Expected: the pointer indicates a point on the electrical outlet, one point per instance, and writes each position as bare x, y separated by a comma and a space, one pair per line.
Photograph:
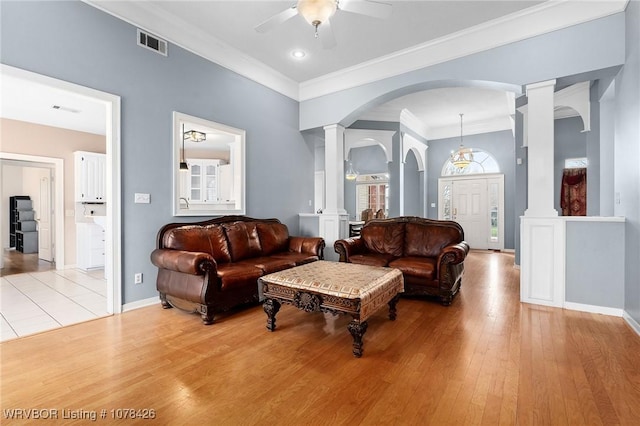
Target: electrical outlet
137, 278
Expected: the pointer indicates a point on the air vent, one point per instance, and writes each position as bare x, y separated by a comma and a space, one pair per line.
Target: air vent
152, 42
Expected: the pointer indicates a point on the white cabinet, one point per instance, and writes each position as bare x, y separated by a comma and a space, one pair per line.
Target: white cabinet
202, 183
90, 246
90, 177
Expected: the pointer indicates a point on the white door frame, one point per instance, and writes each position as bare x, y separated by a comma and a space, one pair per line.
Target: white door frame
490, 178
58, 202
112, 136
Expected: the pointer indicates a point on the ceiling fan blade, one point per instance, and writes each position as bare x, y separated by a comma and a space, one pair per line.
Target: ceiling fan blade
277, 19
366, 7
325, 33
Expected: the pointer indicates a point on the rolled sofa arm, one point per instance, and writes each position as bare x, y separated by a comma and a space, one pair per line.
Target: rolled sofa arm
189, 262
311, 245
450, 266
454, 254
348, 247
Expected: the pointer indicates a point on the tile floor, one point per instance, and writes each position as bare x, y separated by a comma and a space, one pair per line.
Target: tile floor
39, 301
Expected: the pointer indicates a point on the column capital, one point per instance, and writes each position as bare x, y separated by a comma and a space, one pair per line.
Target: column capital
540, 85
333, 126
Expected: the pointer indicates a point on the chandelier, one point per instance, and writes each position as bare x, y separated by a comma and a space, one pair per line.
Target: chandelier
463, 156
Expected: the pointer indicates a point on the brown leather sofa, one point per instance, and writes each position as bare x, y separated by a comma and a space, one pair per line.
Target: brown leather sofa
430, 253
212, 266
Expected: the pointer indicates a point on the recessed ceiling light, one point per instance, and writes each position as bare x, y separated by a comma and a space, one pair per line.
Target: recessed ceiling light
298, 54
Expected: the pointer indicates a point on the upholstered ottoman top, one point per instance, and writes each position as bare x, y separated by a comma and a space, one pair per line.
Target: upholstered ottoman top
374, 286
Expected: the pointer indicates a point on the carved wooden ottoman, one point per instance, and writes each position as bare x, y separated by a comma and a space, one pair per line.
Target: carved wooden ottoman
337, 288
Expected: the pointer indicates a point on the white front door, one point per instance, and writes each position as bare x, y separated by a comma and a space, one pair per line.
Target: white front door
45, 251
477, 204
470, 210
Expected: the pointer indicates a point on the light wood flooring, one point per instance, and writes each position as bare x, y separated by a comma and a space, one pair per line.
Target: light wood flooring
486, 359
16, 262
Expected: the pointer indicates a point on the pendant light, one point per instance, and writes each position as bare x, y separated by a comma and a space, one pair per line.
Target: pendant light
183, 164
463, 156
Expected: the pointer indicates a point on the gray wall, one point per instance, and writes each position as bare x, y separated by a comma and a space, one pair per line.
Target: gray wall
413, 197
75, 42
627, 158
499, 144
595, 263
569, 142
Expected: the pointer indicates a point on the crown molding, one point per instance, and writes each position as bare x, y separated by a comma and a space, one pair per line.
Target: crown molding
413, 123
496, 124
544, 18
178, 32
534, 21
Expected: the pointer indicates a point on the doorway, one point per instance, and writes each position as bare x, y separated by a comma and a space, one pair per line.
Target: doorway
477, 204
111, 104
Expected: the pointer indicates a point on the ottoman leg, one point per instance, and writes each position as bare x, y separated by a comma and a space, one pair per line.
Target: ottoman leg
392, 307
271, 307
357, 330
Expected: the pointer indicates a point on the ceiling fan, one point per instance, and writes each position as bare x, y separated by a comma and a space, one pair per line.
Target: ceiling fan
318, 13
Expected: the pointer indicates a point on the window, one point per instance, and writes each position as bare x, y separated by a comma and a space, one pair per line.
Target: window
575, 163
483, 162
372, 193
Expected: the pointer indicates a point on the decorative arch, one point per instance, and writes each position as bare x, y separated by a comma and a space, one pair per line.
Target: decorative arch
419, 149
320, 112
359, 138
483, 163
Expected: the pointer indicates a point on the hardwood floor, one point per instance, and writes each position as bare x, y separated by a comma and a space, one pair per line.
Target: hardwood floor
18, 263
486, 359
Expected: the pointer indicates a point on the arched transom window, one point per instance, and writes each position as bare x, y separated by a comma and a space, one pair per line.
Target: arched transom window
483, 162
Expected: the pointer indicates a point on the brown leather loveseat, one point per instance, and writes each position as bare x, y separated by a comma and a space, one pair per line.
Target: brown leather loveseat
212, 266
430, 253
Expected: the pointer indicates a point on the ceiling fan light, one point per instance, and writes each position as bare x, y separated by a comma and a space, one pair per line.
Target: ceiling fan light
315, 12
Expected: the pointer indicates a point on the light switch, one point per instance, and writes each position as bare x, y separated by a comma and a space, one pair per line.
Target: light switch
142, 198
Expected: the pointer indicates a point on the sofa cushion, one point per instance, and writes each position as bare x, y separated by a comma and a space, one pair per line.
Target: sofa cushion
371, 259
384, 238
274, 237
232, 276
207, 239
422, 267
428, 240
243, 240
269, 264
297, 258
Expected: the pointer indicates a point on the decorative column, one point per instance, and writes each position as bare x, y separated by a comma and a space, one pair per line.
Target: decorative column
334, 168
540, 152
334, 220
542, 278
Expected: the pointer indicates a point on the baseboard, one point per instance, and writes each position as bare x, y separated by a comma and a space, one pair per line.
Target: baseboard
632, 323
604, 310
140, 304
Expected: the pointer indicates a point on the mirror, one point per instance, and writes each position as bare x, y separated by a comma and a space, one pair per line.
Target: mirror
208, 167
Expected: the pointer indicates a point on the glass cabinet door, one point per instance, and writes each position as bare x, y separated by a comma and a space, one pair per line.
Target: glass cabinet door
196, 181
211, 179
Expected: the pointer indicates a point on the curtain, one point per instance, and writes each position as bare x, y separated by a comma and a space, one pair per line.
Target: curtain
573, 195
